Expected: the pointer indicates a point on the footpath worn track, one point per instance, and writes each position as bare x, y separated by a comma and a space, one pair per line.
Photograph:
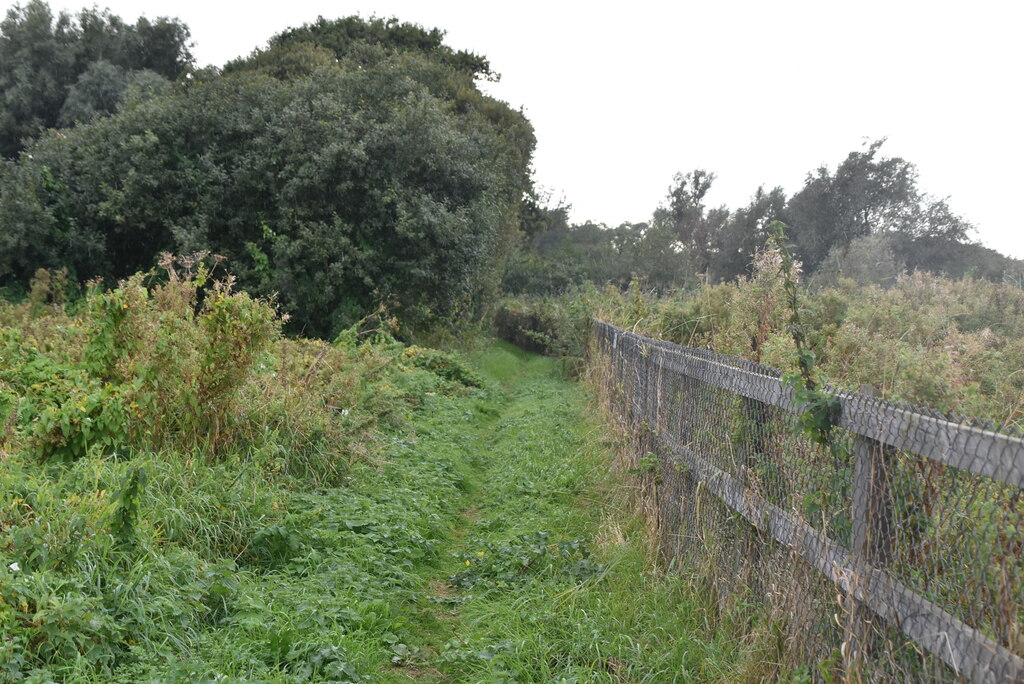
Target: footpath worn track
490, 539
542, 574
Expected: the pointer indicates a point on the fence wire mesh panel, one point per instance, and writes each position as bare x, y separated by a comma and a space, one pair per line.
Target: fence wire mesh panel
891, 553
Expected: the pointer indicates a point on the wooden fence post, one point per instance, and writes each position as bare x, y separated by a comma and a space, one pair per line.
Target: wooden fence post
871, 540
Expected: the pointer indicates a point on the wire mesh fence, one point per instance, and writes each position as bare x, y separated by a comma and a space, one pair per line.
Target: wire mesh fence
894, 553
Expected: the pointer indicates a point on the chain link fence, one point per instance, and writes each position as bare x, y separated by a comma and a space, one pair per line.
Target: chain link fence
893, 554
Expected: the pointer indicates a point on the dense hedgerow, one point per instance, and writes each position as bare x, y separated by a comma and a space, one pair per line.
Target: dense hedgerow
156, 440
953, 345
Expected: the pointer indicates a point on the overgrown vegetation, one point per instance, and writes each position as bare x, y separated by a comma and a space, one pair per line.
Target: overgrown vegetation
892, 293
188, 494
354, 511
906, 513
818, 409
167, 456
953, 345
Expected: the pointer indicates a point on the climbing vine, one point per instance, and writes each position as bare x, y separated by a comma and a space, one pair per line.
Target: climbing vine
818, 410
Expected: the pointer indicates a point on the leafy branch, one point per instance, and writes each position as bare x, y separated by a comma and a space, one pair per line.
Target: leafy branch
819, 410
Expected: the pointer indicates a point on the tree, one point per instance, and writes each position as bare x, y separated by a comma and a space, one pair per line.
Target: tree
868, 193
746, 230
695, 227
98, 91
868, 260
874, 195
336, 188
45, 59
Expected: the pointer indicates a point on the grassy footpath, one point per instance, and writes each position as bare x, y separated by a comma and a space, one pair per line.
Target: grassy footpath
489, 544
544, 577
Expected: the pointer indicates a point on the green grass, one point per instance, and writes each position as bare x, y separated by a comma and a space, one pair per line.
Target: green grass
549, 576
488, 540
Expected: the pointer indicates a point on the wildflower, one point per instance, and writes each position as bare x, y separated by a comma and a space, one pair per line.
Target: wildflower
469, 562
14, 567
480, 553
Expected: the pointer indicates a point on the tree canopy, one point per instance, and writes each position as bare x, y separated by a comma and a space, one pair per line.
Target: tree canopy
348, 36
62, 69
336, 183
353, 161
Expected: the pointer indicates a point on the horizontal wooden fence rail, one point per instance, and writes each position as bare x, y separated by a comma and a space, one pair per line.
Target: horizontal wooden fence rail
674, 393
984, 452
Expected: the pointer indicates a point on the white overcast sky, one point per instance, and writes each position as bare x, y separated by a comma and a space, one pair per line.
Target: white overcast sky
623, 95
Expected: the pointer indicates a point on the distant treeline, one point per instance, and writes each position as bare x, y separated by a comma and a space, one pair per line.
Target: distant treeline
350, 162
867, 221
